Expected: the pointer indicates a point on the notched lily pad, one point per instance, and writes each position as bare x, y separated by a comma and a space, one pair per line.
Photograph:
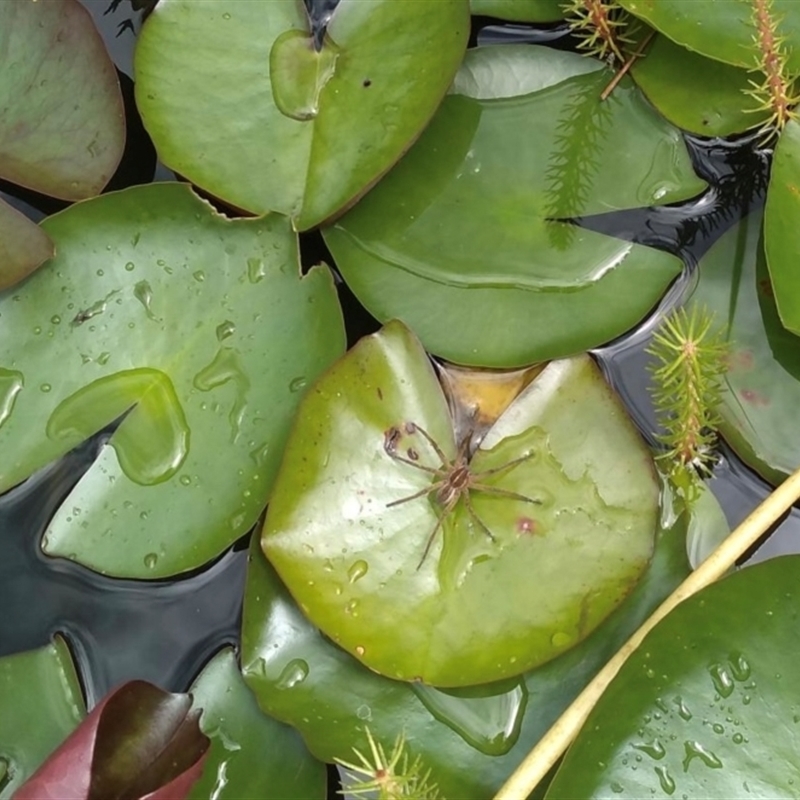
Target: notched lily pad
244, 101
366, 526
199, 334
463, 239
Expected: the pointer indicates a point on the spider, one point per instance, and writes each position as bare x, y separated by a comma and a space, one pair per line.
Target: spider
453, 479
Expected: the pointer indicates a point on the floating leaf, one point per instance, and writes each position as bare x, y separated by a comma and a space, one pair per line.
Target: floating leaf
252, 756
762, 391
23, 246
238, 99
780, 226
459, 240
569, 499
40, 705
139, 742
707, 705
301, 677
200, 332
519, 10
717, 105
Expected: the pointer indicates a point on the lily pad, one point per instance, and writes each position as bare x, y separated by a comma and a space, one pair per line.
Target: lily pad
780, 226
200, 332
555, 566
721, 29
40, 705
762, 386
714, 106
302, 678
252, 756
49, 51
461, 238
707, 706
238, 99
519, 10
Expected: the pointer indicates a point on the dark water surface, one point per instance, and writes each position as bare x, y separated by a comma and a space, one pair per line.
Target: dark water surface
165, 631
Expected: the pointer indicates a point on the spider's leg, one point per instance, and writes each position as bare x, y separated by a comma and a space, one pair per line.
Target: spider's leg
434, 487
402, 460
504, 467
435, 530
412, 427
481, 487
474, 514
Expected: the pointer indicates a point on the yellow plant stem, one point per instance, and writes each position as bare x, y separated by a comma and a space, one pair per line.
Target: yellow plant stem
553, 744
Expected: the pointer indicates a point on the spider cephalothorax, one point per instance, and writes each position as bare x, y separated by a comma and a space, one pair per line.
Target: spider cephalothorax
453, 479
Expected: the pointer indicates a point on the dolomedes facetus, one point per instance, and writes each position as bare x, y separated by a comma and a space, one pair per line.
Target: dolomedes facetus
452, 479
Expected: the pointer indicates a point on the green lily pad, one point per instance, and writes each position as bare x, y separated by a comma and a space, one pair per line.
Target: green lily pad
49, 51
252, 756
762, 391
555, 566
721, 29
302, 678
40, 705
714, 106
780, 226
198, 330
707, 706
460, 238
239, 101
519, 10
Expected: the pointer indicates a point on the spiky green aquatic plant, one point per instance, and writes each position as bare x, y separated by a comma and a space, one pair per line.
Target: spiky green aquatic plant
393, 778
690, 363
603, 27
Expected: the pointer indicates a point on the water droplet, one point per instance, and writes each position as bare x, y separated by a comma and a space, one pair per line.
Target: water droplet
37, 330
722, 680
226, 15
653, 749
297, 384
225, 330
294, 673
695, 750
143, 292
11, 383
45, 387
55, 319
351, 607
683, 711
717, 728
226, 367
740, 667
130, 266
150, 560
617, 788
100, 273
359, 650
665, 779
102, 359
560, 639
256, 270
737, 738
185, 480
357, 571
364, 712
259, 454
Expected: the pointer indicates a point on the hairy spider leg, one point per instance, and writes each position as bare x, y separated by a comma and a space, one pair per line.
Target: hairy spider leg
480, 487
474, 514
439, 521
434, 487
412, 427
504, 467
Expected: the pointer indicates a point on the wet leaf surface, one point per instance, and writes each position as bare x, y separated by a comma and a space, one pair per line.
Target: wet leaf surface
238, 99
707, 706
461, 241
200, 332
252, 756
556, 538
40, 705
23, 246
519, 10
301, 677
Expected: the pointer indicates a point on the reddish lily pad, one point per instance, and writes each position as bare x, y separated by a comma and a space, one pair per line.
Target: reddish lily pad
238, 99
556, 565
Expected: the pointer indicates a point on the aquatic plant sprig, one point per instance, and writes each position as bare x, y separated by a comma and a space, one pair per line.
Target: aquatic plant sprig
776, 93
603, 27
691, 360
393, 778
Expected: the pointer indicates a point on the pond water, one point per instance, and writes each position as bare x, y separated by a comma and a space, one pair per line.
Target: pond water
165, 631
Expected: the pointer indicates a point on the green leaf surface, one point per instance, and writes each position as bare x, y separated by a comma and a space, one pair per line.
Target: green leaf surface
196, 328
62, 127
252, 756
40, 705
457, 240
762, 392
721, 29
553, 568
301, 677
23, 246
708, 704
714, 106
780, 226
519, 10
238, 100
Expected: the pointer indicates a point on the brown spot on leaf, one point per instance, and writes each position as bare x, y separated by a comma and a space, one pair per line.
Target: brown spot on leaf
754, 398
526, 525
